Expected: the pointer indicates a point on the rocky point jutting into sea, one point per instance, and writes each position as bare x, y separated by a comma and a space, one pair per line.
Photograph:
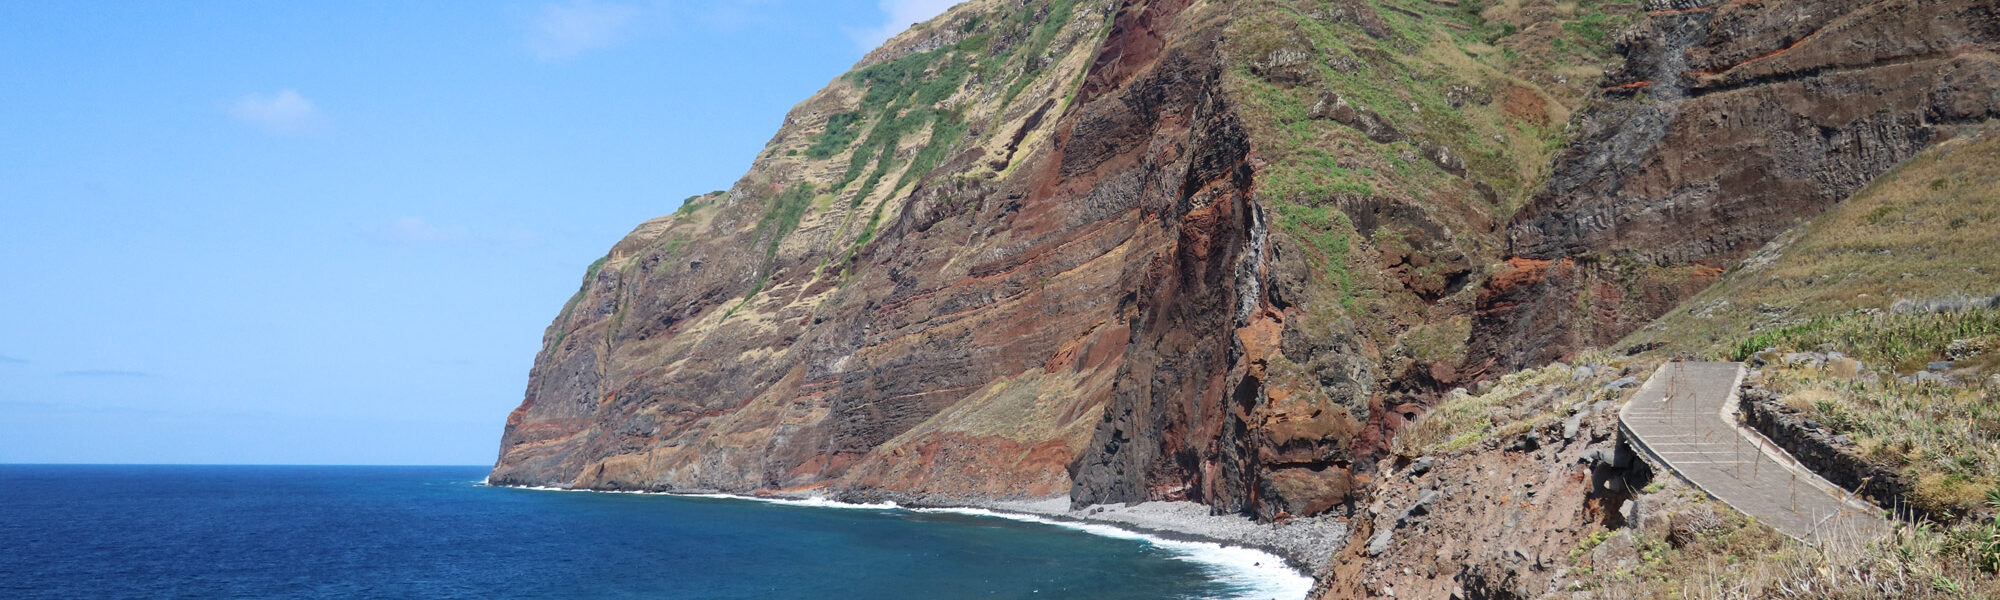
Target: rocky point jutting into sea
1225, 253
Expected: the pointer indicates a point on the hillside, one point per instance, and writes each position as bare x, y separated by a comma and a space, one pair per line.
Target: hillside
1728, 123
1243, 254
1023, 249
1527, 496
1923, 233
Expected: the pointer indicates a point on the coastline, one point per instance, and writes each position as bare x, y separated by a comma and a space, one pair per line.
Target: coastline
1303, 544
1261, 552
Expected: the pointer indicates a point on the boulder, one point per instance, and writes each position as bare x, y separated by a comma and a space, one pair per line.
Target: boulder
1805, 360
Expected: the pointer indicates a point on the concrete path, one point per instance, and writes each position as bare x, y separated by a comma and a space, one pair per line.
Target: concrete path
1685, 417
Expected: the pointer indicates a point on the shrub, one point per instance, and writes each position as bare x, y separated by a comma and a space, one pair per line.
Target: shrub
841, 131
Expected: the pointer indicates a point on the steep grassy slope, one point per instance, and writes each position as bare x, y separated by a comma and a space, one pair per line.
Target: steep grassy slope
1383, 154
684, 360
1929, 230
1394, 137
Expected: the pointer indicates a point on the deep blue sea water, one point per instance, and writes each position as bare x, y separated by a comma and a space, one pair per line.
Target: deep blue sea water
434, 532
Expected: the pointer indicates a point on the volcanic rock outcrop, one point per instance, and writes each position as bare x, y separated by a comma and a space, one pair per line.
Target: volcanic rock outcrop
1076, 232
1029, 249
1729, 122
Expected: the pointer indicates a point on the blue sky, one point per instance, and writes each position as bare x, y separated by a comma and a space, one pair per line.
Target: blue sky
333, 232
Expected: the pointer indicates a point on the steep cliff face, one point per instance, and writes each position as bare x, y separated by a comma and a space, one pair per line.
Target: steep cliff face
903, 293
1729, 122
1130, 250
957, 331
1278, 349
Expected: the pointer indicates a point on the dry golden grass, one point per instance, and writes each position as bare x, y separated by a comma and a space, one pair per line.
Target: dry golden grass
1946, 440
1514, 405
1744, 559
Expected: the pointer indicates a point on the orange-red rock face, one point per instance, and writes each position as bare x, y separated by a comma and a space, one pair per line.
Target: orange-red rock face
1097, 317
970, 350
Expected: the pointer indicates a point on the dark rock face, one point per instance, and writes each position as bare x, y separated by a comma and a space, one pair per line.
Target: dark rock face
1191, 416
1728, 123
1156, 428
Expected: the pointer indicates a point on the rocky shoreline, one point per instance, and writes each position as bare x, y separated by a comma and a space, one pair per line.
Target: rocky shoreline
1304, 544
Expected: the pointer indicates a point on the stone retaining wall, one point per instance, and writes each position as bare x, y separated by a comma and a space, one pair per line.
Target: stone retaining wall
1832, 456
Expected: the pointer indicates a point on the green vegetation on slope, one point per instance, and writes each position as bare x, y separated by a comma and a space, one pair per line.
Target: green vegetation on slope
841, 131
779, 220
1407, 110
1057, 14
783, 216
697, 202
1328, 232
1904, 342
902, 97
910, 114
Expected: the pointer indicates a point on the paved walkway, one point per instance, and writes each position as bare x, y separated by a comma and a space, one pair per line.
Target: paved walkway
1685, 417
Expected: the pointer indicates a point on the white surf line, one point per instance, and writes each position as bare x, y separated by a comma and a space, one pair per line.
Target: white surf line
1256, 574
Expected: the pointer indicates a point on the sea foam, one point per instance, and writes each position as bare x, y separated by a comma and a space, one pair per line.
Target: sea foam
1253, 574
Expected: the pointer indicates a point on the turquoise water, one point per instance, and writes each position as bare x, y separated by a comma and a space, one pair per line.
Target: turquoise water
434, 532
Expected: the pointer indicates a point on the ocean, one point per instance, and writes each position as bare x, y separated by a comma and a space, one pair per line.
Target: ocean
214, 532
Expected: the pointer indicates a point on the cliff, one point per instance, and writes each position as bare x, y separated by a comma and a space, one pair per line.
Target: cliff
1116, 250
1214, 251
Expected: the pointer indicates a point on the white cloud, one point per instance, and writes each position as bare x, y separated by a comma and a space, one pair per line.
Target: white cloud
284, 113
561, 31
899, 15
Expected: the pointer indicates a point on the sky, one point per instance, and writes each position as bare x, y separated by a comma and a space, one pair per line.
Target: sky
334, 232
